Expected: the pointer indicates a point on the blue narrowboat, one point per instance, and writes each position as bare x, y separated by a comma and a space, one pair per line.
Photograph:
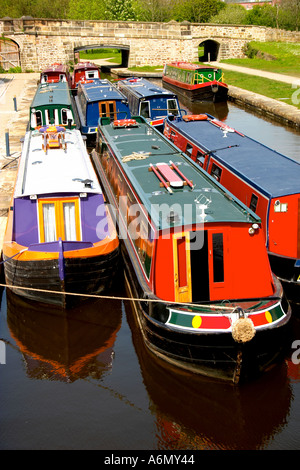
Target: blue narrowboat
53, 104
99, 98
150, 101
264, 180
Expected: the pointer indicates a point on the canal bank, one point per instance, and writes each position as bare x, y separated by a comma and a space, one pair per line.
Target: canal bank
16, 94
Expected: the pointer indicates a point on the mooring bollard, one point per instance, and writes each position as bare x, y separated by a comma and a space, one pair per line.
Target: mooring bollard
7, 142
15, 103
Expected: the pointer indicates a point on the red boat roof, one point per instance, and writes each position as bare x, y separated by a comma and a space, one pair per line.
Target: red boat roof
85, 66
189, 66
56, 67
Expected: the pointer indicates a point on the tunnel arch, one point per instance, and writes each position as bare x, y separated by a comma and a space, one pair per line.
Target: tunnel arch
210, 50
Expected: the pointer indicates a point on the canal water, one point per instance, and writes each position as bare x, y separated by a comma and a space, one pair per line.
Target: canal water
86, 381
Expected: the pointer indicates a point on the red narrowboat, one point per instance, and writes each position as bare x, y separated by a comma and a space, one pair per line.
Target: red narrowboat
55, 73
195, 260
266, 181
83, 72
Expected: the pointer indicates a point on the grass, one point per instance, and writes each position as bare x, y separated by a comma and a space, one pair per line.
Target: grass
270, 88
286, 58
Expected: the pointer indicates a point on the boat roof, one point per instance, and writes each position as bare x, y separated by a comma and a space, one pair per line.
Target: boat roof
143, 88
101, 89
269, 171
85, 66
137, 148
57, 170
190, 66
52, 93
62, 68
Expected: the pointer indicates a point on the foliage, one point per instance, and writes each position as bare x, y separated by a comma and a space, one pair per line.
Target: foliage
197, 11
120, 10
231, 14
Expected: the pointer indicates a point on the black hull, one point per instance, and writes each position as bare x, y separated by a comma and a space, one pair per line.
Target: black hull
288, 273
214, 355
201, 94
85, 276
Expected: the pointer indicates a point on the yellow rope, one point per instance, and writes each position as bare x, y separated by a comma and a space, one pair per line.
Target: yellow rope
219, 307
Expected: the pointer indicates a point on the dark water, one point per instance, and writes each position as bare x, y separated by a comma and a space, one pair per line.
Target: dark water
85, 381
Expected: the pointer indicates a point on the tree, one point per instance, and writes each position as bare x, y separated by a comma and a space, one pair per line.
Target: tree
197, 11
120, 10
231, 14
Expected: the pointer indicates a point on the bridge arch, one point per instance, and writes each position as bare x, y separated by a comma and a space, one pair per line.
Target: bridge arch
125, 50
211, 49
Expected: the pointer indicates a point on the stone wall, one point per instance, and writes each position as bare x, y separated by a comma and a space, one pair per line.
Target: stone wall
43, 41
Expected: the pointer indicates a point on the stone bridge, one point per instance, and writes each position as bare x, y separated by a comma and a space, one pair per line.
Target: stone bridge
39, 42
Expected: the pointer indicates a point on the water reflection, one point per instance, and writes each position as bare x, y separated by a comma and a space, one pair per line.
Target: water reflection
64, 347
193, 412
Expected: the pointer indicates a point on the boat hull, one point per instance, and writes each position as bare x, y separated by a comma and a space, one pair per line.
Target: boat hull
40, 280
207, 92
215, 355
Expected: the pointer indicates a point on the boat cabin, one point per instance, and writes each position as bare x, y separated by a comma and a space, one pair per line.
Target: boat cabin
84, 71
55, 73
149, 100
266, 181
52, 105
196, 81
99, 98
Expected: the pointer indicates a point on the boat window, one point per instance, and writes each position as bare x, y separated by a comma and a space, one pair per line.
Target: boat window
218, 261
49, 222
65, 116
145, 109
172, 107
48, 117
189, 149
200, 158
216, 172
37, 119
62, 77
59, 218
253, 202
142, 236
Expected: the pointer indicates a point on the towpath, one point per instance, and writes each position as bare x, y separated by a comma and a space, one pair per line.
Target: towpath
16, 94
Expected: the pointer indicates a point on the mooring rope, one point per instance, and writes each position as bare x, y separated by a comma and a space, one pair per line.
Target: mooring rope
112, 297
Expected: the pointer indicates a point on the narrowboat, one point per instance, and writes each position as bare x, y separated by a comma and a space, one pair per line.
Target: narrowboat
196, 81
195, 258
52, 105
60, 238
99, 98
149, 100
84, 71
55, 73
264, 180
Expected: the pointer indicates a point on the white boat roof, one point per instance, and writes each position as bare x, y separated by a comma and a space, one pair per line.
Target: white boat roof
57, 170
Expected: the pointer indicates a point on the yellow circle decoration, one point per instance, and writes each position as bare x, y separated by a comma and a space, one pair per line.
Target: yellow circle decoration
268, 317
196, 322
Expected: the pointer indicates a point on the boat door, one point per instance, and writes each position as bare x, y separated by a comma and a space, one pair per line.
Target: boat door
182, 267
107, 109
217, 287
